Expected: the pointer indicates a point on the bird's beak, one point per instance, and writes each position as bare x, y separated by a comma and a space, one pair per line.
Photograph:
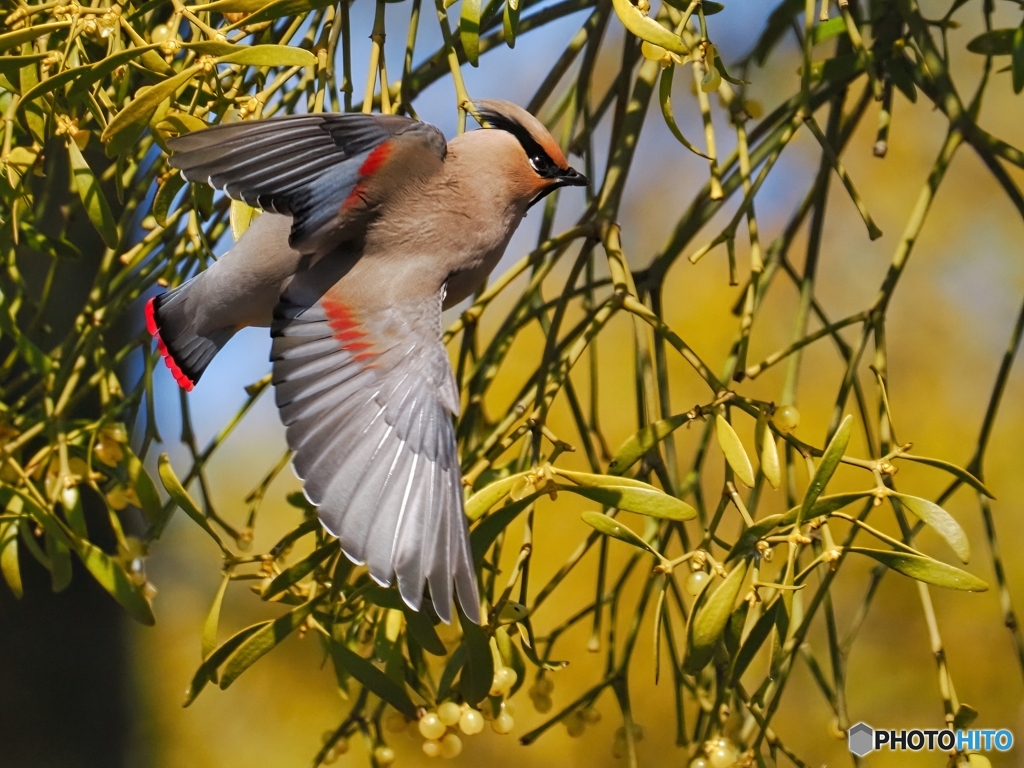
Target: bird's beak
570, 177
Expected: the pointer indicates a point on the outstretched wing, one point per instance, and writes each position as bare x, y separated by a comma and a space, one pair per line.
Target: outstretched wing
315, 167
368, 398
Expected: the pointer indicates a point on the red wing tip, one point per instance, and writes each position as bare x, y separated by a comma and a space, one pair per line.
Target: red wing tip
179, 376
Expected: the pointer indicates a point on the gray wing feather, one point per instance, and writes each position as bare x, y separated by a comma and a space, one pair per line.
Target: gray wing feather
367, 399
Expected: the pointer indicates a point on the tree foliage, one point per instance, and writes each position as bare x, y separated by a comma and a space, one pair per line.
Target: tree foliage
90, 94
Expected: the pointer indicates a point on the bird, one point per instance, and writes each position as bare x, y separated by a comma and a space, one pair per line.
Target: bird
371, 225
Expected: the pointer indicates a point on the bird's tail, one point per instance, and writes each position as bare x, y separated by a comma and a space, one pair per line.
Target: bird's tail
170, 317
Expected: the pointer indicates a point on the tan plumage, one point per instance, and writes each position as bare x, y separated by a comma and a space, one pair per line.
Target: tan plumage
372, 225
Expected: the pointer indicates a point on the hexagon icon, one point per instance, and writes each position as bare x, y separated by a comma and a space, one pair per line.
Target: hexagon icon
862, 739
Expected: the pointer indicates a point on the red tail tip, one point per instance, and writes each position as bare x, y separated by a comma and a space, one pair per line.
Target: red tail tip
179, 376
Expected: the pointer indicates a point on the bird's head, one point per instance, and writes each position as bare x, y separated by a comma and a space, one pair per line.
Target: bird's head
524, 151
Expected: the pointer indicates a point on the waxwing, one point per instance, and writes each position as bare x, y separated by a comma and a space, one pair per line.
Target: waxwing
372, 225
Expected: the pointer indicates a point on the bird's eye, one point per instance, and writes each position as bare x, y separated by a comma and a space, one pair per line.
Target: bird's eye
540, 164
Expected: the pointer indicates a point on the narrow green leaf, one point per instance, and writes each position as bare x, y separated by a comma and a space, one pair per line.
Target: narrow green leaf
9, 556
10, 66
644, 441
768, 452
144, 487
826, 467
478, 673
422, 629
270, 56
279, 8
373, 679
483, 535
293, 575
590, 479
181, 497
128, 124
734, 629
265, 639
996, 42
11, 39
209, 639
659, 614
469, 31
86, 76
50, 84
734, 452
112, 577
953, 469
164, 197
230, 6
720, 66
823, 506
643, 501
706, 627
901, 73
940, 520
610, 527
758, 634
481, 501
510, 21
92, 197
207, 671
1018, 59
826, 30
925, 569
451, 669
60, 558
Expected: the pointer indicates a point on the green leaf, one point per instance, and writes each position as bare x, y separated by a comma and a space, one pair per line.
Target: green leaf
209, 639
960, 474
422, 629
1018, 59
643, 501
451, 669
757, 637
996, 42
10, 66
900, 71
826, 30
826, 467
483, 535
613, 481
293, 575
646, 28
469, 30
9, 556
768, 452
925, 569
644, 441
112, 577
373, 679
92, 197
720, 66
734, 452
50, 84
510, 21
128, 124
478, 673
265, 639
59, 552
164, 197
734, 629
611, 527
98, 71
706, 627
230, 6
270, 56
181, 497
207, 671
823, 506
939, 519
11, 39
144, 487
481, 501
279, 8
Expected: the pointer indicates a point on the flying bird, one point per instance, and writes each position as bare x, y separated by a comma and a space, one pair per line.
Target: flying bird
372, 225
